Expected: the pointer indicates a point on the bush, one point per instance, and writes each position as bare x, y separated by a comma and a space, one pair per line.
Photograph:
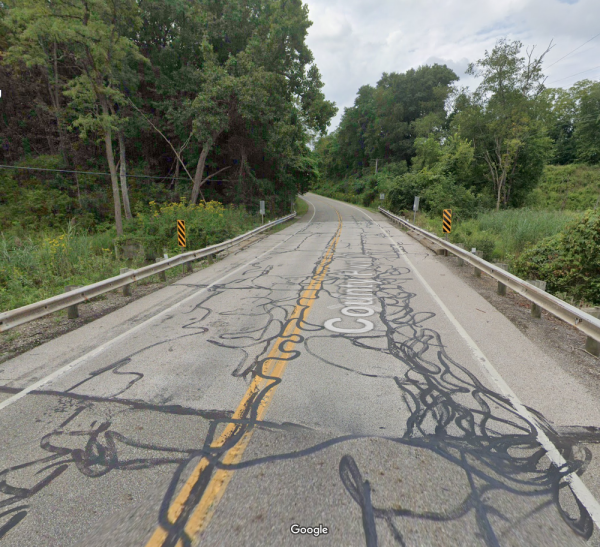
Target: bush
569, 261
205, 224
34, 268
573, 187
31, 270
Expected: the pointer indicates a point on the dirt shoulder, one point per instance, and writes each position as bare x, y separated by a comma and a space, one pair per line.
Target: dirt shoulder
563, 342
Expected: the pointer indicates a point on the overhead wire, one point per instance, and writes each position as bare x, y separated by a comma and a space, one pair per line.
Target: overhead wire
576, 74
93, 173
573, 51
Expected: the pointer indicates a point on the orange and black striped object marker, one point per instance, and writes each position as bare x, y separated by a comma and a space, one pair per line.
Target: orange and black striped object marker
447, 222
181, 233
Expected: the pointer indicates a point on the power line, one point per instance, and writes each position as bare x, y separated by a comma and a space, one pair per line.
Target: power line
87, 172
574, 50
577, 74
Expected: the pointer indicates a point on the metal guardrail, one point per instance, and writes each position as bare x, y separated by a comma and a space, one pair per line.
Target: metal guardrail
583, 321
18, 316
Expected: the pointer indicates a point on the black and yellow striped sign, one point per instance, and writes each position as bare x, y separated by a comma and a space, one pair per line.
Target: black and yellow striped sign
181, 233
447, 222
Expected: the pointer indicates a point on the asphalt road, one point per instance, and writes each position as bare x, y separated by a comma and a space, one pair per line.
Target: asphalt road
333, 377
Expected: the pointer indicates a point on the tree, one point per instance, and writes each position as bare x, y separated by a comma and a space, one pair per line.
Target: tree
587, 123
35, 43
93, 32
385, 120
222, 90
502, 118
559, 119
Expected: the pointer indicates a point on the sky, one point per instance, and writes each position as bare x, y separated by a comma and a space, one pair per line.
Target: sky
355, 41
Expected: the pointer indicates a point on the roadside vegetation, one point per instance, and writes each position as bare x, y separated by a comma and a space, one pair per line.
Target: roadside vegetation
40, 265
517, 162
34, 267
114, 128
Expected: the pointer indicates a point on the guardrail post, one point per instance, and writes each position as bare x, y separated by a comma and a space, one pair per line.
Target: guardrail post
501, 290
536, 311
476, 270
461, 262
162, 276
126, 288
188, 268
212, 258
72, 311
592, 345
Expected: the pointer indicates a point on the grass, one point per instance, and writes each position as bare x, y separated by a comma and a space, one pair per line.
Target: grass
40, 265
502, 235
301, 207
573, 187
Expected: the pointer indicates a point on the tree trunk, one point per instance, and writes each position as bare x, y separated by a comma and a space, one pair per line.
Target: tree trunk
123, 175
242, 177
78, 190
110, 157
58, 112
499, 196
176, 175
198, 175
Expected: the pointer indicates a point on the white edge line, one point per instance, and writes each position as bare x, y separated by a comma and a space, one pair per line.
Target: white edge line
96, 351
577, 485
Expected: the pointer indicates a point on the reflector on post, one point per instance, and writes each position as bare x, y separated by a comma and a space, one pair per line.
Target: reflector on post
447, 221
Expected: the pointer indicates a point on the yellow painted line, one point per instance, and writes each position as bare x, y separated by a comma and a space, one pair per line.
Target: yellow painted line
277, 359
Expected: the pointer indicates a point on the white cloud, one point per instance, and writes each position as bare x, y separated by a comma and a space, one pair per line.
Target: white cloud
355, 41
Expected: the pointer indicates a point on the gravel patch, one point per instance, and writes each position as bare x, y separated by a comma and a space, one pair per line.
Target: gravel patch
563, 342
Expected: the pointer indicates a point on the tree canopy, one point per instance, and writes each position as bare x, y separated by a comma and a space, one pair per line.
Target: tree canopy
419, 133
190, 89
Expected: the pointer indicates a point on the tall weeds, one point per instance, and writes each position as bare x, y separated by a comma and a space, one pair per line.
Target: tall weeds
41, 265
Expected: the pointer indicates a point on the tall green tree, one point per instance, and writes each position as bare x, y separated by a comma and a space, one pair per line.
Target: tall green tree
93, 31
559, 118
587, 123
385, 120
503, 119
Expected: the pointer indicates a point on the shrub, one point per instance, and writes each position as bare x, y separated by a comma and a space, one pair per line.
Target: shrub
205, 224
569, 261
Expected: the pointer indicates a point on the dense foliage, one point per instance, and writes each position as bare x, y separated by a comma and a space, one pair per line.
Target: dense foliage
418, 133
40, 265
569, 262
511, 158
220, 98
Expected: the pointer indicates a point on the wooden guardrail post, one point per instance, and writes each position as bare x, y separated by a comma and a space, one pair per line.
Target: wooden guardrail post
162, 276
72, 311
461, 262
536, 311
501, 290
591, 345
126, 288
476, 270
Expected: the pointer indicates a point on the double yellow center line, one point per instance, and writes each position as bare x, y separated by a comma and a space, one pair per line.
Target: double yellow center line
189, 516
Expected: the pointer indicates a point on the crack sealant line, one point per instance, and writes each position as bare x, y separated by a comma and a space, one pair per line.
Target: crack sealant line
579, 489
98, 350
